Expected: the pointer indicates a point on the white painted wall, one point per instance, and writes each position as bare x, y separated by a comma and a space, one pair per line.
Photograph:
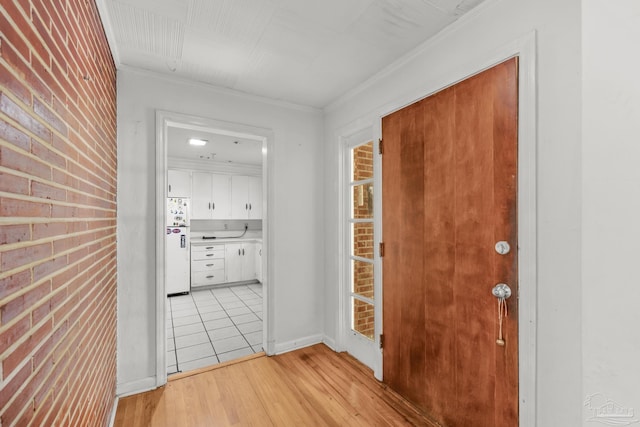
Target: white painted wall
500, 22
588, 207
611, 202
295, 211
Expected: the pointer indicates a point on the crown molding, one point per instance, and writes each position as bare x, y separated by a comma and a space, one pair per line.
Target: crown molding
411, 55
107, 27
221, 90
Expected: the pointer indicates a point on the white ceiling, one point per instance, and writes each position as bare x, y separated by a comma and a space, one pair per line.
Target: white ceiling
220, 148
307, 52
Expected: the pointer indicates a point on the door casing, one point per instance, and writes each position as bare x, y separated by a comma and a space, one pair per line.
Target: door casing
164, 120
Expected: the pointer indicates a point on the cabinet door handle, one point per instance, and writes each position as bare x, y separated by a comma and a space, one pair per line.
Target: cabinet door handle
169, 188
246, 206
209, 265
209, 247
210, 277
209, 254
209, 205
243, 252
249, 206
214, 205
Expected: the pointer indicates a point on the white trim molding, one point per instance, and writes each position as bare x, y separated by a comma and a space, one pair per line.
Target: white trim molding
412, 54
114, 410
329, 342
135, 387
362, 348
105, 17
299, 343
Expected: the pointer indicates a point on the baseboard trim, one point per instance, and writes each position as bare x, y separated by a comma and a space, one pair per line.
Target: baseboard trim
297, 344
329, 342
135, 387
112, 418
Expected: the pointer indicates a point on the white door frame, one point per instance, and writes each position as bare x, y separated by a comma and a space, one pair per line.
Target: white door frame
525, 49
164, 120
357, 345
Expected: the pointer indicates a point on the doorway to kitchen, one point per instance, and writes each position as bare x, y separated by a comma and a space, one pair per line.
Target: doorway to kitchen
213, 242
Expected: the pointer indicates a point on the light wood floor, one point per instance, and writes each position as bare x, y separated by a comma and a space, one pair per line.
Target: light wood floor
310, 387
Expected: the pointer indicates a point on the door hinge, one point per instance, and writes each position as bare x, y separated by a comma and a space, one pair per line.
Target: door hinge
381, 341
381, 249
380, 146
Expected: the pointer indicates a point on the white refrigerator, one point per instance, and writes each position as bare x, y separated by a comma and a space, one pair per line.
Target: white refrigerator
177, 256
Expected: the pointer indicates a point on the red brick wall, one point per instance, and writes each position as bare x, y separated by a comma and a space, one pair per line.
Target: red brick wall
57, 214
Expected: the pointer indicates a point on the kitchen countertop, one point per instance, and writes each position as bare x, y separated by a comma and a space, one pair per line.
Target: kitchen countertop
225, 237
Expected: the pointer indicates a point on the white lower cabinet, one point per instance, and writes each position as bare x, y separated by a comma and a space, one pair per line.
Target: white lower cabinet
248, 261
259, 262
240, 261
223, 263
207, 265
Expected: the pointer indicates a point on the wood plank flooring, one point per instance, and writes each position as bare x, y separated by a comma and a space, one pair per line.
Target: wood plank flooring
313, 386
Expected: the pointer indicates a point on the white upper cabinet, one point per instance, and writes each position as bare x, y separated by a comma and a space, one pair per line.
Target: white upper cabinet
179, 183
240, 197
211, 197
220, 197
201, 200
246, 197
255, 197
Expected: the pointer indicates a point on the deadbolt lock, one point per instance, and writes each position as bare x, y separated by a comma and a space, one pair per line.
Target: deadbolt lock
503, 247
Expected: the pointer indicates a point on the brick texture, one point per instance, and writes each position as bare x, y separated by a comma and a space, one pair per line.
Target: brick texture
363, 241
57, 215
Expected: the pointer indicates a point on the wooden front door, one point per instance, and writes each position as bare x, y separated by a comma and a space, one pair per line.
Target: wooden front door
449, 195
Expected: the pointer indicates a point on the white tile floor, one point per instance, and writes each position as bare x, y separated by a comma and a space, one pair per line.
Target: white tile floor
212, 326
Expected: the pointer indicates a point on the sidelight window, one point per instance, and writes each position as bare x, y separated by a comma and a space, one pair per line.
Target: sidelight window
361, 228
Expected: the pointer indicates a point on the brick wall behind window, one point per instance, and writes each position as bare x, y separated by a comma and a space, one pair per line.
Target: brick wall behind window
57, 214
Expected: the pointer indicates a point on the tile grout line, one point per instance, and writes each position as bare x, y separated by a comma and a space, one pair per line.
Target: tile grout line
254, 313
246, 305
258, 294
195, 304
205, 327
175, 346
228, 316
234, 323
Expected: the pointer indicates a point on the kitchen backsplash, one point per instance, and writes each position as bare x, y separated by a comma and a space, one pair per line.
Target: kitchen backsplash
204, 225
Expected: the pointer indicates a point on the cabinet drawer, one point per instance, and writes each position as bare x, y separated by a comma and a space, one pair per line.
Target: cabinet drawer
204, 278
207, 252
207, 264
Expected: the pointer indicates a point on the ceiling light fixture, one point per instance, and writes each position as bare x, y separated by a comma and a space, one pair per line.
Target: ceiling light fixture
198, 142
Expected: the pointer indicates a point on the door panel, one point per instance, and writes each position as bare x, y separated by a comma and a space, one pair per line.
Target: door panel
439, 250
403, 211
449, 194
